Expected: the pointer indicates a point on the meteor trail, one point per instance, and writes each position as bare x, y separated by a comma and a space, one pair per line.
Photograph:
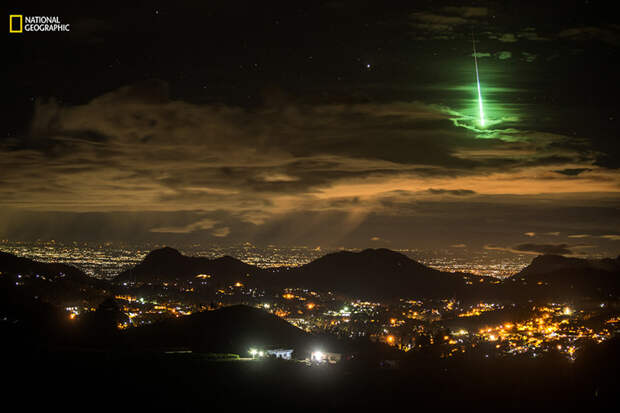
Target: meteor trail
478, 82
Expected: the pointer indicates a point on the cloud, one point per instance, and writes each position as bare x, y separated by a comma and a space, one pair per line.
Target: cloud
445, 22
133, 148
611, 237
507, 38
556, 249
519, 35
459, 246
579, 236
467, 12
221, 232
573, 172
530, 234
449, 23
267, 172
536, 249
203, 224
559, 249
528, 57
436, 22
455, 192
530, 33
503, 55
608, 34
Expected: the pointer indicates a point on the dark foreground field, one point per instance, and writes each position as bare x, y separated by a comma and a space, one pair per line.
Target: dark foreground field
105, 381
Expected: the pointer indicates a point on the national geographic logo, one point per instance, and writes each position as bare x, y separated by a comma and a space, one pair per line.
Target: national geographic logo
19, 23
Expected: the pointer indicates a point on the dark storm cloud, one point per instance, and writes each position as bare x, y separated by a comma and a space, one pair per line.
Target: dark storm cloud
537, 249
572, 172
444, 23
572, 23
608, 34
457, 192
560, 249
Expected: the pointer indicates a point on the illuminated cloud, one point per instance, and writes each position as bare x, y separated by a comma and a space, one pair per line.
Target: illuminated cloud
503, 55
135, 149
507, 38
221, 232
237, 171
196, 226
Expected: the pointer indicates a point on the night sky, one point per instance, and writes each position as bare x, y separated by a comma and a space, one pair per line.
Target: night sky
339, 123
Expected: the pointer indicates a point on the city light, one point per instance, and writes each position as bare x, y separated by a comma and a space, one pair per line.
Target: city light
317, 356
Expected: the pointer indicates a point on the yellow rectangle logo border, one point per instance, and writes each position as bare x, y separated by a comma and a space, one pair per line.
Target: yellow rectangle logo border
21, 23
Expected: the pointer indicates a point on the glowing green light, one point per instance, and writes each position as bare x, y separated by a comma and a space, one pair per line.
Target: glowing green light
480, 102
478, 82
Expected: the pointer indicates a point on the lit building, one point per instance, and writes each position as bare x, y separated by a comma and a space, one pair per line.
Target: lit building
281, 353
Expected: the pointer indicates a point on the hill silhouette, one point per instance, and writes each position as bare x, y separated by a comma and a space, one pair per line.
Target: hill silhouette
230, 329
571, 277
168, 264
51, 282
13, 265
378, 273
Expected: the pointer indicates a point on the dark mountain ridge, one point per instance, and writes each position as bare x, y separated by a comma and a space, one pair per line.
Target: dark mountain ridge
571, 277
370, 273
52, 282
13, 265
168, 264
380, 273
235, 328
544, 264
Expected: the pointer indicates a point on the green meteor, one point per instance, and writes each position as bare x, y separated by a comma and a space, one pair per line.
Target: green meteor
478, 82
